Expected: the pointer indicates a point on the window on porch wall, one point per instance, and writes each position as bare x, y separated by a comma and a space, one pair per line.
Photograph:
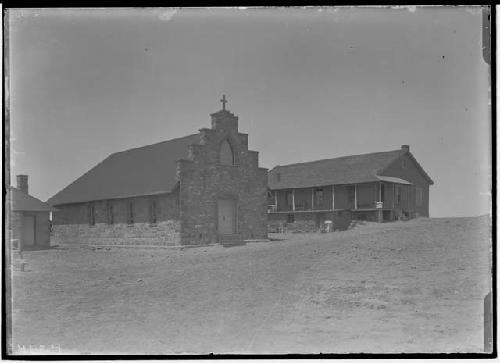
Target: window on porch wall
271, 202
365, 195
302, 199
418, 196
289, 200
319, 198
397, 194
270, 198
350, 196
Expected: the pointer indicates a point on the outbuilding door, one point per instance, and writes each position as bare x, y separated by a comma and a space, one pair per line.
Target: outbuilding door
28, 231
227, 216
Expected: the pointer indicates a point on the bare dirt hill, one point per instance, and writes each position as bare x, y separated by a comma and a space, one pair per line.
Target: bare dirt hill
414, 286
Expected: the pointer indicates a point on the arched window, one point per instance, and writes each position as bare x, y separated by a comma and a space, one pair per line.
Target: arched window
226, 153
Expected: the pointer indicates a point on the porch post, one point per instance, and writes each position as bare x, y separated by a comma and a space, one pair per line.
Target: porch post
293, 200
276, 199
312, 198
393, 195
333, 197
355, 197
380, 212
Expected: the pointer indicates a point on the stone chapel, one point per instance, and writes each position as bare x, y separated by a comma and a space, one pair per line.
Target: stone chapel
199, 189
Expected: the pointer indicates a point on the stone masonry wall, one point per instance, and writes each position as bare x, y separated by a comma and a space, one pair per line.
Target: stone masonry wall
164, 233
204, 180
71, 222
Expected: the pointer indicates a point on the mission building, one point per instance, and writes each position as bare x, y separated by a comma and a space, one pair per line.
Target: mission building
199, 189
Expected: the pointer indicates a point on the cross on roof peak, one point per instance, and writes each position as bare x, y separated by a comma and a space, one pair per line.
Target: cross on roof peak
223, 101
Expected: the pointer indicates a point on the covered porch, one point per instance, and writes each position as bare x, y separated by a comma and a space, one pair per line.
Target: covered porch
383, 200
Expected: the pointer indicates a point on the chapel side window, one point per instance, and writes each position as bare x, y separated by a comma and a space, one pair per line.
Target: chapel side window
130, 213
109, 213
91, 211
152, 212
226, 154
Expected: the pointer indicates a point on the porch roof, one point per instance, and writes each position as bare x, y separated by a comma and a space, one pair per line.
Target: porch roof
393, 179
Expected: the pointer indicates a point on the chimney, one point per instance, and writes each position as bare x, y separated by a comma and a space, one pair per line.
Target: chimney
22, 183
405, 148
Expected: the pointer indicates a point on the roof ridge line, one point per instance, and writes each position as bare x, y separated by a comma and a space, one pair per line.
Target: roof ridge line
156, 143
338, 157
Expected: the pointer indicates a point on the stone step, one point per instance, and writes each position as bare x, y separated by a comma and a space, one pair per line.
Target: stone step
233, 243
230, 240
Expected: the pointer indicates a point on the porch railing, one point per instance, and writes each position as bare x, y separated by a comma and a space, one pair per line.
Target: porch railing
272, 208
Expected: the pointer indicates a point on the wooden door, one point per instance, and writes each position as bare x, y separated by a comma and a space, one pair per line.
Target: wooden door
227, 216
28, 231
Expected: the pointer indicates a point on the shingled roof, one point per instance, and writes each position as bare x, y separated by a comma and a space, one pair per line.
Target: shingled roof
344, 170
20, 201
146, 170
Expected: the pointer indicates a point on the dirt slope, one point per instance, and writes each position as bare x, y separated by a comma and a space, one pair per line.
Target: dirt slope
414, 286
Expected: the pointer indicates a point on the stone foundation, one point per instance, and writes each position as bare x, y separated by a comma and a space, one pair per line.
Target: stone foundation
304, 222
308, 222
163, 233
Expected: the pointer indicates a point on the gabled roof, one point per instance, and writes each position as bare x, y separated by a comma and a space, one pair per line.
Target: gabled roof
20, 201
344, 170
146, 170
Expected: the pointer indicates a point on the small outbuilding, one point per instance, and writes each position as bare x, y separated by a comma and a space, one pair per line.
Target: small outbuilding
29, 217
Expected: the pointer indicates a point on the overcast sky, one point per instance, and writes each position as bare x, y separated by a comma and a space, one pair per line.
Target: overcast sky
306, 84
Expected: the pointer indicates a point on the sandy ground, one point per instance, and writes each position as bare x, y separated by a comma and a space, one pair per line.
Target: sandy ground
414, 286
